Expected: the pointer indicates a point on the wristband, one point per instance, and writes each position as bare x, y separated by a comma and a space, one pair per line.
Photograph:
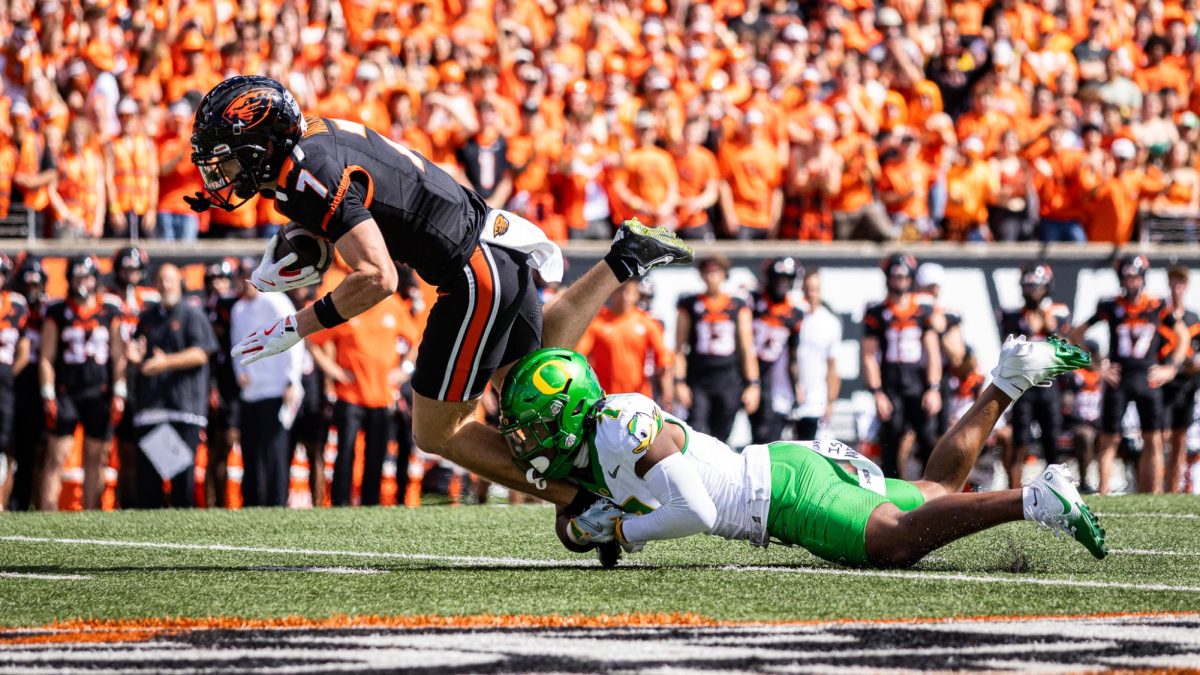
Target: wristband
935, 387
120, 389
754, 383
48, 392
874, 390
327, 314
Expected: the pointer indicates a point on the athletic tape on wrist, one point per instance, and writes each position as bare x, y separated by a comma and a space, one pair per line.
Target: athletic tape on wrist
327, 314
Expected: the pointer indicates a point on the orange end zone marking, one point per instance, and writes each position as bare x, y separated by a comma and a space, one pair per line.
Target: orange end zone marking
136, 630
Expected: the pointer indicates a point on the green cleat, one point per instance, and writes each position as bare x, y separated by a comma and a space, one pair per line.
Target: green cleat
1056, 505
1024, 364
637, 249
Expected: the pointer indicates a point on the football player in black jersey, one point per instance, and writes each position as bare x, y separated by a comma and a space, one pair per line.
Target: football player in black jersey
716, 371
1179, 395
381, 203
14, 357
777, 342
82, 364
222, 433
1136, 323
28, 441
902, 364
1037, 318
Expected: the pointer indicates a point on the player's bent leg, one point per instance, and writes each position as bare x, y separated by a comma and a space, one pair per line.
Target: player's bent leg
1022, 365
636, 250
448, 428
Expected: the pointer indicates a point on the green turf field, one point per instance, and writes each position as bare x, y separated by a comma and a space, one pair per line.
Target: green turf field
493, 560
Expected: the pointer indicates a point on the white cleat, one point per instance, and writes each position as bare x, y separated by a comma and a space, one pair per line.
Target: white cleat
1024, 364
1054, 503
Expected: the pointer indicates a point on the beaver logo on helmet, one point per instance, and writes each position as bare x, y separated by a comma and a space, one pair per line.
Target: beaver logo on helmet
249, 109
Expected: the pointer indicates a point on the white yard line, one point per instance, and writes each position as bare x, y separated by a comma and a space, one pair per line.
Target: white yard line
1168, 516
1142, 551
524, 562
466, 560
935, 576
44, 577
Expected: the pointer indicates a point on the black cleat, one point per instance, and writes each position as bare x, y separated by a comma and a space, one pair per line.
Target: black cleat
637, 249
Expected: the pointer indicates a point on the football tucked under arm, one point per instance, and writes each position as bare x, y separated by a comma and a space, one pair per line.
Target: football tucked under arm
564, 514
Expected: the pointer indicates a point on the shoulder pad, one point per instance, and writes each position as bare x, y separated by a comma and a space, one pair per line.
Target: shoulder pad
112, 301
627, 425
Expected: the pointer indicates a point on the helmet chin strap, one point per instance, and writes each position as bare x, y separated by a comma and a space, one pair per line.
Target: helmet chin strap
536, 479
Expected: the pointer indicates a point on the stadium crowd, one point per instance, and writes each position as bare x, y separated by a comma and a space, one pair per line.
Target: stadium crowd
132, 372
1063, 120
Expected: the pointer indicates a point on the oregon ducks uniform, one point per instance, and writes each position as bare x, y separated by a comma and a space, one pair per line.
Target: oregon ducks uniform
797, 493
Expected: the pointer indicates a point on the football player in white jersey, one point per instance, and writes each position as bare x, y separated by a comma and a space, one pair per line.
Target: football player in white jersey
659, 479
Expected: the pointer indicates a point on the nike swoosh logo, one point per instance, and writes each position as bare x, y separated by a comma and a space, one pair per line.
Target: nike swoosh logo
613, 473
1065, 503
270, 330
1034, 498
642, 269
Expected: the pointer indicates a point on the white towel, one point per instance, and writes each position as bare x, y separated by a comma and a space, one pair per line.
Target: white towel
508, 230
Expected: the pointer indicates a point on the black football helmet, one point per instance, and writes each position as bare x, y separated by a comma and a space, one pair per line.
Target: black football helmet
244, 130
899, 269
1037, 274
779, 277
1132, 265
128, 260
81, 267
31, 274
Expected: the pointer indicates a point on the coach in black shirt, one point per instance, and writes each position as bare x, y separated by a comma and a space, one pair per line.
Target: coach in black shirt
168, 362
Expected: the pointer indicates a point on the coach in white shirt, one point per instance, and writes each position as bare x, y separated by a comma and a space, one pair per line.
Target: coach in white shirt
820, 335
270, 389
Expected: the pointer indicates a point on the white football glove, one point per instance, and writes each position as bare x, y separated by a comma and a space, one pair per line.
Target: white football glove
276, 338
270, 276
596, 525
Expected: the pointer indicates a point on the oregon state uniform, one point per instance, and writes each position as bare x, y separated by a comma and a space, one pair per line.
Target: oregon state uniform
713, 373
1043, 404
133, 300
776, 341
341, 174
13, 315
1134, 340
900, 328
1179, 395
82, 369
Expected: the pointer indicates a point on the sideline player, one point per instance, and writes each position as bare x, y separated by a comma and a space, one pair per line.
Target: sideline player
82, 366
381, 203
902, 364
1136, 323
1038, 317
777, 322
664, 480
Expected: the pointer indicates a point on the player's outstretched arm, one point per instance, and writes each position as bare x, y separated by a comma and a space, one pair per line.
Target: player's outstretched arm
372, 279
686, 509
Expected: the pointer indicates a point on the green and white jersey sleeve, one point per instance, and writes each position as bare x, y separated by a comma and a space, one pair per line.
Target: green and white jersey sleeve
625, 429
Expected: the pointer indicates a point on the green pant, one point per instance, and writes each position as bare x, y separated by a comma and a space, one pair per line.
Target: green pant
817, 504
